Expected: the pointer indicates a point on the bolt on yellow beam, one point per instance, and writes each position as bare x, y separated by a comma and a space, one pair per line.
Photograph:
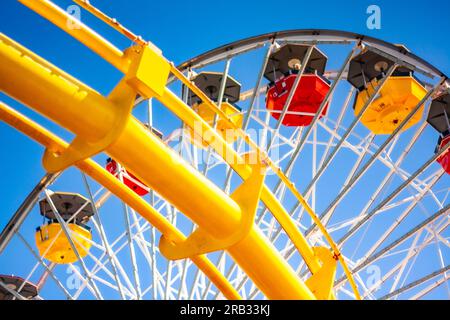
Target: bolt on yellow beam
96, 172
83, 111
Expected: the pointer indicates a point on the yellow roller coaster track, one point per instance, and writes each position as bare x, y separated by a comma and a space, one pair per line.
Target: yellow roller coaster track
105, 124
95, 171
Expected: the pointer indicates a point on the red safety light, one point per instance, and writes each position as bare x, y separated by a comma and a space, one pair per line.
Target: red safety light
444, 159
128, 178
308, 97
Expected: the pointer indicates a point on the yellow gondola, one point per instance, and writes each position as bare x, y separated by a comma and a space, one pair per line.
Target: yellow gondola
210, 83
225, 130
54, 246
51, 240
399, 95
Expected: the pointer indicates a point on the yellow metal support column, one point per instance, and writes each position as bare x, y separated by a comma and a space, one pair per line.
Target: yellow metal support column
121, 61
36, 83
124, 62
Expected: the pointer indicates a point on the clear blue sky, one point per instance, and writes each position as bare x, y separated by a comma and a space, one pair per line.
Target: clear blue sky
183, 29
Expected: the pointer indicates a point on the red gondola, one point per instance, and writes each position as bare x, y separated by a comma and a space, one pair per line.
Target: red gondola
282, 70
307, 99
128, 178
439, 119
444, 159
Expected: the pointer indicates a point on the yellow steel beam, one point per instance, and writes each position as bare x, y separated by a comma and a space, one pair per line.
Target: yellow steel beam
247, 195
88, 114
122, 62
96, 172
188, 116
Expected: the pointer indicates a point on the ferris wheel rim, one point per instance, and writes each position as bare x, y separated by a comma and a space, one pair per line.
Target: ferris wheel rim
311, 35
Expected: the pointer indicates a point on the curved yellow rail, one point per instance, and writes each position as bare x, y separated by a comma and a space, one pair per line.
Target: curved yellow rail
96, 172
119, 61
36, 83
188, 116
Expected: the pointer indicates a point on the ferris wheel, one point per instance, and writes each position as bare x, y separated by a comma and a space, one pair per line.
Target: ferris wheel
303, 164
